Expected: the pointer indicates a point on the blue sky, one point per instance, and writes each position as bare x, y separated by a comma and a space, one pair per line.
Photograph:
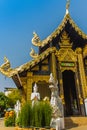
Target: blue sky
18, 20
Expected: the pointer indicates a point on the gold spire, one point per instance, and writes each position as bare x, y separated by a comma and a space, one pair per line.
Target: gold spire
67, 6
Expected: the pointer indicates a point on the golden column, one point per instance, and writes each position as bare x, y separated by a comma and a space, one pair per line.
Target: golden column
24, 89
61, 83
29, 85
82, 72
53, 66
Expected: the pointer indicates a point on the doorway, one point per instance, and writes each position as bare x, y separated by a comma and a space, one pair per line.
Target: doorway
70, 94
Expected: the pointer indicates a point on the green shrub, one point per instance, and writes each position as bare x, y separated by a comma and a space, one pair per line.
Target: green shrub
25, 115
38, 116
47, 111
10, 118
41, 114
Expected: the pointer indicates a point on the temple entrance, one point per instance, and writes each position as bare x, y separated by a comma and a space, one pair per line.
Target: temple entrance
70, 94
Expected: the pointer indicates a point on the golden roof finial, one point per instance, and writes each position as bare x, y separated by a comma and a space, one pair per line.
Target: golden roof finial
67, 6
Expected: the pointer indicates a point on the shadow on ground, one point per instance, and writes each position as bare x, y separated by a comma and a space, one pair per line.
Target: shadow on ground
69, 123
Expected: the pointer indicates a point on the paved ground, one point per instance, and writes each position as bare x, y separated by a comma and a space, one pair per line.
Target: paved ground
12, 128
2, 127
76, 128
7, 128
79, 128
1, 122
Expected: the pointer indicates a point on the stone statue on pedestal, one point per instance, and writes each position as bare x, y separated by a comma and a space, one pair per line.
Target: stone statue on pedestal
56, 103
35, 95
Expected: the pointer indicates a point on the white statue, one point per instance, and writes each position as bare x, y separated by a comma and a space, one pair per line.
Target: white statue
35, 95
17, 108
57, 120
53, 100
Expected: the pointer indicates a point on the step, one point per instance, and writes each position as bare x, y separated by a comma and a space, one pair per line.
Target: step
75, 121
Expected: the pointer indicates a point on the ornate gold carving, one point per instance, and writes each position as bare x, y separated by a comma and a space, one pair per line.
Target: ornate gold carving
62, 97
79, 50
37, 78
53, 66
68, 68
33, 54
36, 40
6, 68
80, 100
65, 40
85, 51
66, 55
82, 72
6, 65
61, 81
29, 84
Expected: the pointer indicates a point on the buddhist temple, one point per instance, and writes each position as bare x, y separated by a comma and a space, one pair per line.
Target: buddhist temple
64, 54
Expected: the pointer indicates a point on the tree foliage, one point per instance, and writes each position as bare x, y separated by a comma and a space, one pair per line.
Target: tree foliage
14, 96
3, 102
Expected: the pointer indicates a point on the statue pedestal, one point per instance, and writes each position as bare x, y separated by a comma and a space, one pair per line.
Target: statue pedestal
85, 106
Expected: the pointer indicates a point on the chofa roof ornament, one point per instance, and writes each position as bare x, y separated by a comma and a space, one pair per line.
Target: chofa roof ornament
33, 54
67, 6
6, 65
36, 40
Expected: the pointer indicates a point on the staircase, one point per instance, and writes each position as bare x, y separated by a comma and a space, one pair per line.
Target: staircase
71, 122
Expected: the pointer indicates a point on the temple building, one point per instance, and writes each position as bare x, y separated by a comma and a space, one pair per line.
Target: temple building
64, 54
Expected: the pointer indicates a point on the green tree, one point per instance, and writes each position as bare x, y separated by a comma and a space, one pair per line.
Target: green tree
14, 96
3, 102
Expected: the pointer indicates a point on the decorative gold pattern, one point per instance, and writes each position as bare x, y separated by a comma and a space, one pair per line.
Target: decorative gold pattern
36, 40
33, 54
82, 72
66, 55
62, 97
85, 51
6, 65
81, 100
65, 40
53, 66
73, 69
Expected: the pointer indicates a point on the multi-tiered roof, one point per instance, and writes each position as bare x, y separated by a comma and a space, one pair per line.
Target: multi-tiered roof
46, 47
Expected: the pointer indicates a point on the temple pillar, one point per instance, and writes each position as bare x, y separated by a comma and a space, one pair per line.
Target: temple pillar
29, 85
82, 96
53, 66
61, 88
61, 91
78, 90
24, 89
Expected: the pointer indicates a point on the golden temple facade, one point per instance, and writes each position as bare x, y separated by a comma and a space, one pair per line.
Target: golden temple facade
63, 53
